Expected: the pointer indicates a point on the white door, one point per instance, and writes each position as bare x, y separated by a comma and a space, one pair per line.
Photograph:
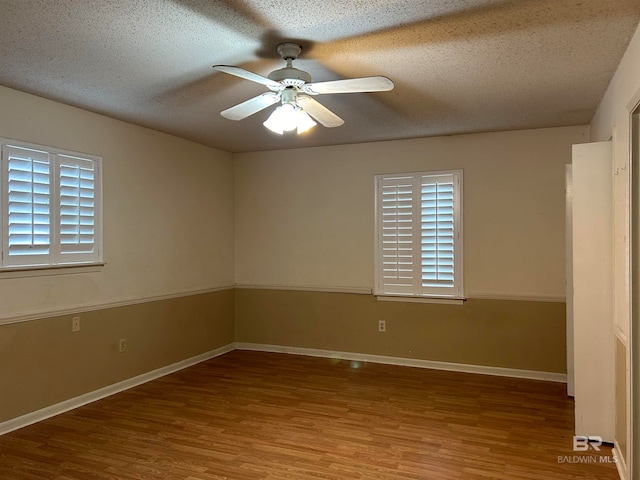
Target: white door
592, 252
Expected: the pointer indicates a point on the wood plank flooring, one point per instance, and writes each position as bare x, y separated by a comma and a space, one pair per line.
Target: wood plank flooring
253, 415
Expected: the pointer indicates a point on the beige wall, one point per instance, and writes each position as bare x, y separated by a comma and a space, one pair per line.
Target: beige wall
305, 218
612, 120
168, 210
43, 363
498, 333
168, 223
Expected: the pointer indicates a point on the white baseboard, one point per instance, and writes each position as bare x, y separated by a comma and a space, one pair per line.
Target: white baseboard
58, 408
623, 472
408, 362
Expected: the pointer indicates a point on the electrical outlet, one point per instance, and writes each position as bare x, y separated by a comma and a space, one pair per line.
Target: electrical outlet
75, 324
123, 345
382, 326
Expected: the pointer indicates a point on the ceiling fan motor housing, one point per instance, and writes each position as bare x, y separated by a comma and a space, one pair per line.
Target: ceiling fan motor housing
290, 76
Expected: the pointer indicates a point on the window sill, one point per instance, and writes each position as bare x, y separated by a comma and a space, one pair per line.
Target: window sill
405, 299
47, 270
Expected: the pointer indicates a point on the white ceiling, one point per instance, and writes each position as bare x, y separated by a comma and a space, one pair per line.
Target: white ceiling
459, 66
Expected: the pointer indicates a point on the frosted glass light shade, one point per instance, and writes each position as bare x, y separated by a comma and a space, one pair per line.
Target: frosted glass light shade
289, 117
304, 121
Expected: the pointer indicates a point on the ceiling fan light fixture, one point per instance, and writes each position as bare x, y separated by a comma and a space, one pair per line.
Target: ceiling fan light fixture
288, 117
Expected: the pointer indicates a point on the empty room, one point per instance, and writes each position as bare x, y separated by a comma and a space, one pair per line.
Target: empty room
297, 240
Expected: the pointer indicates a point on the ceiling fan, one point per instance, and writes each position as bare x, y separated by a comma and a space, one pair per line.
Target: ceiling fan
293, 88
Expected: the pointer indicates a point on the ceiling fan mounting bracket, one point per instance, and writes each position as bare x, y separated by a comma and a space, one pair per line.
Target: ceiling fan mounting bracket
289, 51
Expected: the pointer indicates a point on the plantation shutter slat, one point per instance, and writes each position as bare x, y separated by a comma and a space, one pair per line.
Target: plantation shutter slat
77, 208
437, 231
418, 225
397, 230
28, 206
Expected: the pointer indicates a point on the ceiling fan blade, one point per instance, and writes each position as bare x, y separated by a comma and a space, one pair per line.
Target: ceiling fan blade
352, 85
318, 111
251, 106
247, 75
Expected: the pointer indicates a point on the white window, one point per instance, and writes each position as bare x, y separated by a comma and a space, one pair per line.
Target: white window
419, 234
51, 207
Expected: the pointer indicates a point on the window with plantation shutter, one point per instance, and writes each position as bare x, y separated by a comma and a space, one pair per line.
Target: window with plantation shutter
419, 234
50, 207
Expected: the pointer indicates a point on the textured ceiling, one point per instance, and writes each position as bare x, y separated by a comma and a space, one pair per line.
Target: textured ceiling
459, 66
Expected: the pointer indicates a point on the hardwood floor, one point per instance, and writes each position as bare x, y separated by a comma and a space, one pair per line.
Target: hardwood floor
252, 415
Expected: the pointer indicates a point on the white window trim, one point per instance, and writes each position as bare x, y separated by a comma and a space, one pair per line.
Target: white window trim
385, 297
58, 264
457, 297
